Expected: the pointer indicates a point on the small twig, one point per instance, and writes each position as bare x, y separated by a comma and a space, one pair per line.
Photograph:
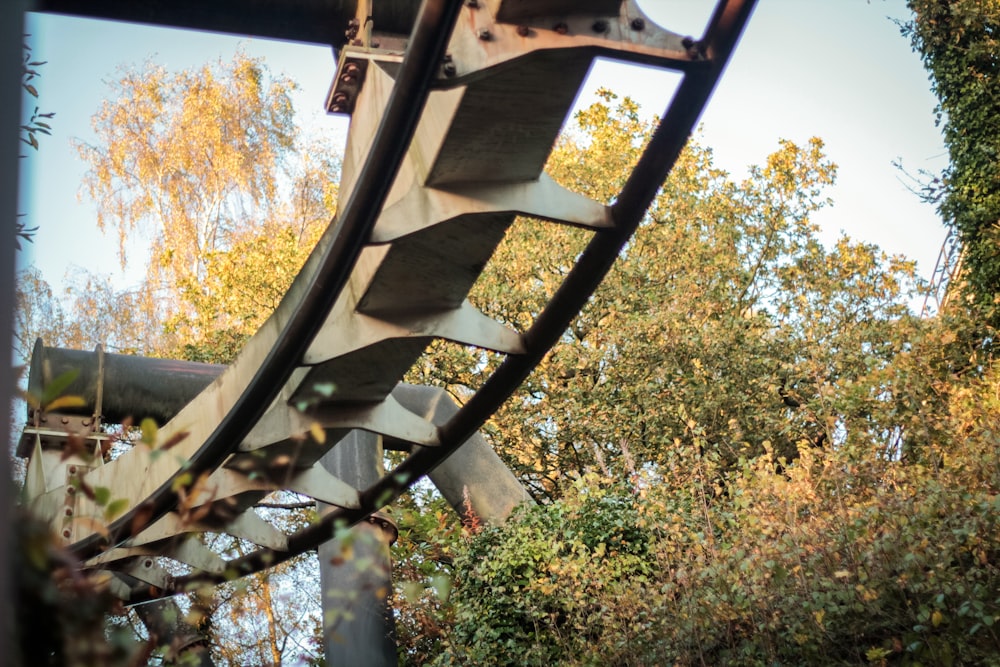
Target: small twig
287, 506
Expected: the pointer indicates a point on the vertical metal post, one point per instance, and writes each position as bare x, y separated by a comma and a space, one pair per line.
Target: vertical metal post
355, 568
474, 480
166, 623
11, 26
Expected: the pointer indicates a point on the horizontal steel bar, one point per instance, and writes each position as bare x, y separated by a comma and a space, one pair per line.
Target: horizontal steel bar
317, 21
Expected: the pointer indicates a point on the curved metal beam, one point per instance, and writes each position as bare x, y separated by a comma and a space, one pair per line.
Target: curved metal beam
638, 192
347, 237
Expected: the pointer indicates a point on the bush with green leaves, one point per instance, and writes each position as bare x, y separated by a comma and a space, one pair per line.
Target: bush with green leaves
843, 556
534, 591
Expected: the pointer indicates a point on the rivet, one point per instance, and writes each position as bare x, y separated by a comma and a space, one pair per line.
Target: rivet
600, 26
523, 30
687, 42
351, 71
449, 69
474, 4
484, 34
72, 470
71, 490
66, 533
340, 98
638, 24
69, 511
561, 28
64, 420
148, 562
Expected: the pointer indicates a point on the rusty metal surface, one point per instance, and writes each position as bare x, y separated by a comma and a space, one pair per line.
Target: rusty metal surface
317, 21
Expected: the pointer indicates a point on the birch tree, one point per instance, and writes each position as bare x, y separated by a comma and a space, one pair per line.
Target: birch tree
188, 158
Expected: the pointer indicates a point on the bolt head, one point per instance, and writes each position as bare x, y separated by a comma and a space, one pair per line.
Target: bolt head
600, 26
484, 34
638, 24
523, 30
449, 69
561, 28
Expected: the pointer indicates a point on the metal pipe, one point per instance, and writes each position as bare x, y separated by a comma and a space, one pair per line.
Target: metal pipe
474, 480
347, 236
355, 569
126, 387
317, 21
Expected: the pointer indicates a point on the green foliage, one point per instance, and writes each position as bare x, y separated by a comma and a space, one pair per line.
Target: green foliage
61, 612
536, 590
240, 288
725, 311
840, 557
423, 569
813, 471
30, 130
959, 41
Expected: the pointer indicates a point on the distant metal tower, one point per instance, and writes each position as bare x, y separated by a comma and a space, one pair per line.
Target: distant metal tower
949, 264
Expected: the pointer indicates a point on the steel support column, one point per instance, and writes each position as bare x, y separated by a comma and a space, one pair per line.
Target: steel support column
473, 480
355, 568
11, 54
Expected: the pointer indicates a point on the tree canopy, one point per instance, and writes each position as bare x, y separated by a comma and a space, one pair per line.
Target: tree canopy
959, 41
746, 449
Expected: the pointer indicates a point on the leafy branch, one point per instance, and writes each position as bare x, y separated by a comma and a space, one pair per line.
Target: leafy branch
30, 130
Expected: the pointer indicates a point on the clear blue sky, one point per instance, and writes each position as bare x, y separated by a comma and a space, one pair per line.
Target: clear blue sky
837, 69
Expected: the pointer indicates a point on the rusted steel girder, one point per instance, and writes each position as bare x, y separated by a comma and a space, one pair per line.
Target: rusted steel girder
317, 21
